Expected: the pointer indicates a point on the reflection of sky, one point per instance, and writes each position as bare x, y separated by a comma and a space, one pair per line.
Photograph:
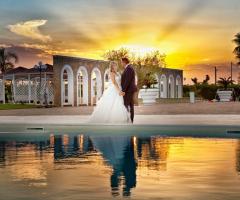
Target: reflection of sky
188, 31
136, 166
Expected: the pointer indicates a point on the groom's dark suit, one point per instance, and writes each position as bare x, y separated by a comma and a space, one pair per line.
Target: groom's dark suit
129, 87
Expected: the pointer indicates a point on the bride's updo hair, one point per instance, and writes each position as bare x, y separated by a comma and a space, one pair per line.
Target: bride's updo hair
112, 66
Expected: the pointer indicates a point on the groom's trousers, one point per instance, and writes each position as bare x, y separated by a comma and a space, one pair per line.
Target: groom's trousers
129, 104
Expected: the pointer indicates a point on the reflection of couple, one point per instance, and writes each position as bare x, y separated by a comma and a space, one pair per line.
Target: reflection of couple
119, 153
117, 101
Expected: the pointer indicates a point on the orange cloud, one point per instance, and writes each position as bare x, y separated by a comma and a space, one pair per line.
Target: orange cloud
30, 29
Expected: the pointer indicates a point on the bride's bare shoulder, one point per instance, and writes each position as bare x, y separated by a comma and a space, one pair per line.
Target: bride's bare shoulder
112, 74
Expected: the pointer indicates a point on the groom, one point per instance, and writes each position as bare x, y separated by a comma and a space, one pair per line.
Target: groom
128, 86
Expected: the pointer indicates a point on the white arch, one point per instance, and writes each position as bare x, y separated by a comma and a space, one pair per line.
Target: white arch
157, 84
163, 86
67, 86
82, 86
171, 87
96, 85
106, 79
157, 78
178, 87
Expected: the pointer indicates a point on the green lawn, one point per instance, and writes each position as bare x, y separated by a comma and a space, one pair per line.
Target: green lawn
16, 106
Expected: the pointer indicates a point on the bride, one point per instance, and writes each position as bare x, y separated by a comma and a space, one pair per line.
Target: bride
110, 108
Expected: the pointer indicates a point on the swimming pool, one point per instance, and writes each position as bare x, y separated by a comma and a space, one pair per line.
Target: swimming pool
105, 162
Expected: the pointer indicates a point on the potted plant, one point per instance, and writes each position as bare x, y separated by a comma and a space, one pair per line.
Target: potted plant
225, 94
148, 93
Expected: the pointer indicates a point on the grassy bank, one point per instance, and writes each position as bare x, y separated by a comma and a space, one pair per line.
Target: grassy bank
16, 106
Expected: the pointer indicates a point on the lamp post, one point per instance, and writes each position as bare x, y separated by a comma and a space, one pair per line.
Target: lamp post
215, 72
41, 67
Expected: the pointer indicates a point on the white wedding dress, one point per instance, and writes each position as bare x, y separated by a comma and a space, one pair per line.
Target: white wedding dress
110, 108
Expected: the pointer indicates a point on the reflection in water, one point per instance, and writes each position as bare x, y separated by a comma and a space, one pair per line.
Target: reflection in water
119, 153
66, 147
129, 158
2, 153
238, 157
24, 161
153, 152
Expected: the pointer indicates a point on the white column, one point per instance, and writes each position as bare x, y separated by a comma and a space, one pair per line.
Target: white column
14, 89
45, 77
45, 87
71, 88
78, 89
159, 85
62, 91
85, 89
29, 88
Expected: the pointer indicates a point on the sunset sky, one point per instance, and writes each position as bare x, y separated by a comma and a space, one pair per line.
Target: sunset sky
194, 34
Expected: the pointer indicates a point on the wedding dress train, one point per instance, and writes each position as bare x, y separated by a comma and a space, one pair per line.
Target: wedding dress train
110, 108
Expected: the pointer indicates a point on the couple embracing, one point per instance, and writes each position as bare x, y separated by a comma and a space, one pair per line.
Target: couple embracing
116, 106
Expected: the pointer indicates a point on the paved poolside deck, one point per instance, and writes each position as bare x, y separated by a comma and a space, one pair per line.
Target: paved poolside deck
201, 113
231, 108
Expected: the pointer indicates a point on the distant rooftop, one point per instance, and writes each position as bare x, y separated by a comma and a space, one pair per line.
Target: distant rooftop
78, 58
24, 70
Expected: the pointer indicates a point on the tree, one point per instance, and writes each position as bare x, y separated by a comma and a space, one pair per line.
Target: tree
238, 79
236, 51
225, 82
117, 55
7, 60
145, 67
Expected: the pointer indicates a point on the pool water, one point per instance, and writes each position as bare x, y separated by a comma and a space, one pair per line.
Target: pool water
81, 166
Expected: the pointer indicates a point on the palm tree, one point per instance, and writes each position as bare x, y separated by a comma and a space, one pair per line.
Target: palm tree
7, 60
225, 82
236, 51
207, 78
194, 80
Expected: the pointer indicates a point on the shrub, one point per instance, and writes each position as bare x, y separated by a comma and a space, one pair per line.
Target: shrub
208, 91
187, 89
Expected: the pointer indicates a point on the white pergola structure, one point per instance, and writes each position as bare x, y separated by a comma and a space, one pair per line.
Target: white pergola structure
78, 81
82, 81
28, 87
170, 83
75, 82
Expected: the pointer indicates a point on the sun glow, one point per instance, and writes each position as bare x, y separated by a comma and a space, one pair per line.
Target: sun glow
142, 50
139, 50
